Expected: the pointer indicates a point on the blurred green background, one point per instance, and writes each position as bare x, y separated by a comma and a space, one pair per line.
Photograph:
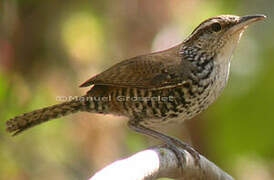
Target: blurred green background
48, 48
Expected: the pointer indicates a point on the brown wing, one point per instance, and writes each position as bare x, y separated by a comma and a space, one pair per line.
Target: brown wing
157, 70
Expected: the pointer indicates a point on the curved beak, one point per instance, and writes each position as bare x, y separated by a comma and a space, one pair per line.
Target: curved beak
244, 21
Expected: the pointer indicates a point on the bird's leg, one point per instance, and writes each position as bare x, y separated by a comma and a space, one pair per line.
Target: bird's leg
173, 143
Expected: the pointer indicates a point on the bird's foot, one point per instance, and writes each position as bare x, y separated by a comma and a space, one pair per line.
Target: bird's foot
175, 144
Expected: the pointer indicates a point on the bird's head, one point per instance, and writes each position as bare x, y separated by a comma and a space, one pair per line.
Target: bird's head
221, 34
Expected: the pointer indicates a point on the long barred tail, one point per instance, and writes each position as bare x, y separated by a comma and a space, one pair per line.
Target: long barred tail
22, 122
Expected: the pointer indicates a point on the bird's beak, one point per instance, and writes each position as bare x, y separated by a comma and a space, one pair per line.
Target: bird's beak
244, 21
251, 18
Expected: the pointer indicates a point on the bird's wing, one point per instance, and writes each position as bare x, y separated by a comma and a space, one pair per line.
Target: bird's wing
153, 71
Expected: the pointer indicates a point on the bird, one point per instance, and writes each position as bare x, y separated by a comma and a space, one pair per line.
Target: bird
158, 88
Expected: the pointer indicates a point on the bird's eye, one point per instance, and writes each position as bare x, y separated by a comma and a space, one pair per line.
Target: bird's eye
216, 27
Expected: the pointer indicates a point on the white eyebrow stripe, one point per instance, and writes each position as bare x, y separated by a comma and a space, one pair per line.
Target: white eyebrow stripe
206, 24
201, 26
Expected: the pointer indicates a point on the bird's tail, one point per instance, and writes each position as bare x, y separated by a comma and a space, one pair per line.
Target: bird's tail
22, 122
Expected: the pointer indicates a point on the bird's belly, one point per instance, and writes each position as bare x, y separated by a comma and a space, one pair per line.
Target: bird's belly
189, 102
183, 104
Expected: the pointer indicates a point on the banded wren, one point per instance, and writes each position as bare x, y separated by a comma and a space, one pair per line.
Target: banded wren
158, 88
